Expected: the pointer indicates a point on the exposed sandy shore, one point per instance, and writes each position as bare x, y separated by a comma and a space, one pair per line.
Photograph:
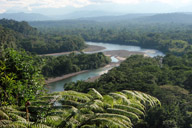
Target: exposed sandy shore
54, 79
93, 48
93, 79
90, 48
58, 54
121, 55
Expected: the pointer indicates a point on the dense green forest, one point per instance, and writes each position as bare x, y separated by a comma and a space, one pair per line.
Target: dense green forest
24, 103
20, 78
57, 66
19, 35
167, 78
122, 98
166, 37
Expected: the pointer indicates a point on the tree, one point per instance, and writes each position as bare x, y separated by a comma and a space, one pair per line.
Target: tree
75, 109
20, 78
188, 83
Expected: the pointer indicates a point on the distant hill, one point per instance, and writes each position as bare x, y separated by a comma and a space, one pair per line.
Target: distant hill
99, 16
117, 18
185, 18
180, 18
87, 14
39, 17
24, 16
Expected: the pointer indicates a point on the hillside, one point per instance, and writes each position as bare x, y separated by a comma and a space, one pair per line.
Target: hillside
168, 18
24, 16
17, 35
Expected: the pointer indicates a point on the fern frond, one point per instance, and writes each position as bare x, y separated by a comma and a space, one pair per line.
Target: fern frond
39, 103
74, 93
95, 94
130, 115
89, 126
129, 109
51, 120
4, 122
120, 96
132, 95
110, 115
137, 105
76, 98
39, 126
107, 123
122, 123
16, 117
70, 102
107, 99
3, 115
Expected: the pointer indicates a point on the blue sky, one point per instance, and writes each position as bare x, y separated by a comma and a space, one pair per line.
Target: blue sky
127, 6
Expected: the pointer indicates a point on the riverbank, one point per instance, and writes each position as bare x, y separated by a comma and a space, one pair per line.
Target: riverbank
54, 79
121, 55
93, 48
58, 54
90, 48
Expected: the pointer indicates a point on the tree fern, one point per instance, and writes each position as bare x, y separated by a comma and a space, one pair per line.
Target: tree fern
74, 109
95, 94
120, 98
3, 115
110, 115
39, 126
130, 115
130, 109
104, 122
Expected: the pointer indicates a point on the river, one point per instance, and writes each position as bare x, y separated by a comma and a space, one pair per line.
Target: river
58, 86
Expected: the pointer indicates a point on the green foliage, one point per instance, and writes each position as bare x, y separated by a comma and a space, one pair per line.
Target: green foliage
166, 78
91, 110
19, 35
167, 37
15, 120
75, 109
57, 66
20, 78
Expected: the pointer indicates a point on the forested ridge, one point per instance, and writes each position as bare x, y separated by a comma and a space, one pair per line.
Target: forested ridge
172, 38
19, 35
167, 78
122, 98
61, 65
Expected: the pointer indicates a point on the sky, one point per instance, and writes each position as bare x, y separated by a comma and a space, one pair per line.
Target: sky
127, 6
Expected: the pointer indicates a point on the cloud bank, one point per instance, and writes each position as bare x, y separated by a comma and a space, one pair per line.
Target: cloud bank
30, 5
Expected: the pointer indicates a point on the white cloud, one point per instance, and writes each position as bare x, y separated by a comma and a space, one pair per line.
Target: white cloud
33, 4
118, 1
2, 10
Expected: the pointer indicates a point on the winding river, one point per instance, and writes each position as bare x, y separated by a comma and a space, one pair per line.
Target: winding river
58, 86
